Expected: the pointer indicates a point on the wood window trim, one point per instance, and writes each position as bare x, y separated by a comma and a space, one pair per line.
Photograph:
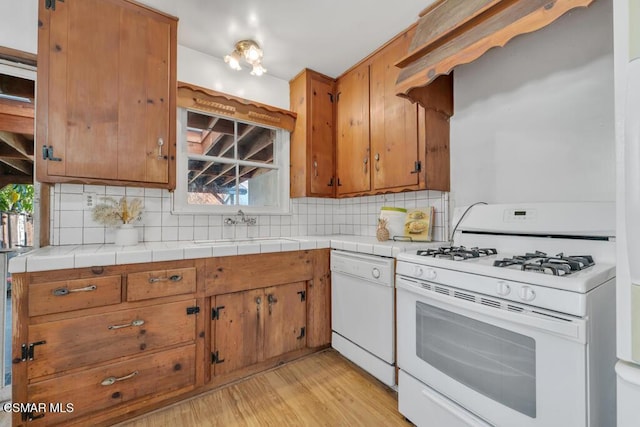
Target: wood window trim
18, 56
456, 32
207, 100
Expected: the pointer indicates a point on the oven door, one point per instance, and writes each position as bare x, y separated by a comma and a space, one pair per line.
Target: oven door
510, 364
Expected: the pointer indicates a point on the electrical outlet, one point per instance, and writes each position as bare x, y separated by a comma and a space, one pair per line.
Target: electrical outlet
89, 200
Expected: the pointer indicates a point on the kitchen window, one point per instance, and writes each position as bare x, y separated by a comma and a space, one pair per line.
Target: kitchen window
225, 164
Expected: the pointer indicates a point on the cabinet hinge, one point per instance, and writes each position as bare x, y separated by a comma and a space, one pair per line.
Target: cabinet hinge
28, 351
30, 416
330, 96
215, 312
417, 167
193, 310
303, 295
47, 154
302, 333
330, 184
51, 4
215, 358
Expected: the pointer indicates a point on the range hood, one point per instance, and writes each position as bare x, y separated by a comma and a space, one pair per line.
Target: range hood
455, 32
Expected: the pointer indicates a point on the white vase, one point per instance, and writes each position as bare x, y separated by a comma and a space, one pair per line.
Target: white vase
126, 235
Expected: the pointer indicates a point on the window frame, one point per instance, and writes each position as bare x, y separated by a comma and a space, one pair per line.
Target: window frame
281, 155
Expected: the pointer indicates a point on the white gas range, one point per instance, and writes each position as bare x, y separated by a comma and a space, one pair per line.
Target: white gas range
514, 324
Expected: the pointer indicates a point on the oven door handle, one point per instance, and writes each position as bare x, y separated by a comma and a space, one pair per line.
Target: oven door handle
573, 329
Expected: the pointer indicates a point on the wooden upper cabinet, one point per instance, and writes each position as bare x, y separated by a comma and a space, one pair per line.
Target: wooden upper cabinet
393, 121
352, 123
106, 94
312, 141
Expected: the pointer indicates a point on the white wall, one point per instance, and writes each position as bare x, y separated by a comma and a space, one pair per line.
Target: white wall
19, 25
209, 72
534, 121
19, 30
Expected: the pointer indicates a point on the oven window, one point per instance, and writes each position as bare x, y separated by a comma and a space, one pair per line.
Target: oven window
493, 361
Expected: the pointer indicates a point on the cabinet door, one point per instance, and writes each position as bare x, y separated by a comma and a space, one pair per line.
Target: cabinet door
105, 92
322, 137
285, 319
394, 121
237, 332
352, 145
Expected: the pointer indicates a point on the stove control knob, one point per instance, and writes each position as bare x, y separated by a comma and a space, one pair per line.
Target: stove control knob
527, 294
418, 272
375, 273
432, 274
503, 288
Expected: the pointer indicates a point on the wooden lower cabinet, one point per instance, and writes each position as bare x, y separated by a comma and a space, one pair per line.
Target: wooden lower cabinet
98, 345
257, 325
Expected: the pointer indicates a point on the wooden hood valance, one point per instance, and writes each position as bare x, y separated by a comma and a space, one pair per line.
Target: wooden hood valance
455, 32
201, 99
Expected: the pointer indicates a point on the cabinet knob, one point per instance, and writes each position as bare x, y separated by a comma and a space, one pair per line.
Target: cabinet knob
365, 161
315, 168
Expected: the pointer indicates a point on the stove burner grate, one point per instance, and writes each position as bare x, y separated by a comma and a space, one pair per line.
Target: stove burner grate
457, 253
558, 265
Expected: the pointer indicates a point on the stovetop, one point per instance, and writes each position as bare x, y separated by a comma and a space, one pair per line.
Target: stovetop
576, 273
536, 261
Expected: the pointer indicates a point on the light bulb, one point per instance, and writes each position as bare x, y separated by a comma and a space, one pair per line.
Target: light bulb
258, 70
233, 60
252, 54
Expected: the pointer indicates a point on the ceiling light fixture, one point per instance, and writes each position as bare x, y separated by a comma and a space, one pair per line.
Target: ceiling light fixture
250, 51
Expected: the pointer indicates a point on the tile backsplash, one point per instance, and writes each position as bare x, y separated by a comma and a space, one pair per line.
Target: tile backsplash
72, 223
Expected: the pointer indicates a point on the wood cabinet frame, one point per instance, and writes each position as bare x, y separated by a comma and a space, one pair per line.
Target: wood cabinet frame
271, 269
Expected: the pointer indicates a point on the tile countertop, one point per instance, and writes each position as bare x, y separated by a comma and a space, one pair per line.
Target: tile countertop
78, 256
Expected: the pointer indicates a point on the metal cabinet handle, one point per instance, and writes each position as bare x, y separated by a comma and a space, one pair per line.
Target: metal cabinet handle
271, 299
174, 278
137, 322
60, 292
113, 380
377, 157
160, 144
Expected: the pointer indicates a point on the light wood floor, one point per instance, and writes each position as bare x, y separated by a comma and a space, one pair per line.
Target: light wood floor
323, 389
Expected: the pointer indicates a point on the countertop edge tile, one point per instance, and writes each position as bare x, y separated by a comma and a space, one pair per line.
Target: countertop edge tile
78, 256
50, 262
94, 259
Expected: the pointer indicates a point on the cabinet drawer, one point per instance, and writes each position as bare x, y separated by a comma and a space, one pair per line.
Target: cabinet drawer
95, 389
87, 340
160, 283
243, 272
68, 295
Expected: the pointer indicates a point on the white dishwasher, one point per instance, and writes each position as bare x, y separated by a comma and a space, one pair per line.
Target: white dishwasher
362, 312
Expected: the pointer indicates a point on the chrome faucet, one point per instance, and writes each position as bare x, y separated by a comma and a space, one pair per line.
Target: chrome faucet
244, 219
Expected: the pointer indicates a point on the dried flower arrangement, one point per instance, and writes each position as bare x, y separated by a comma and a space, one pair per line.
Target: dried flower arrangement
113, 212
